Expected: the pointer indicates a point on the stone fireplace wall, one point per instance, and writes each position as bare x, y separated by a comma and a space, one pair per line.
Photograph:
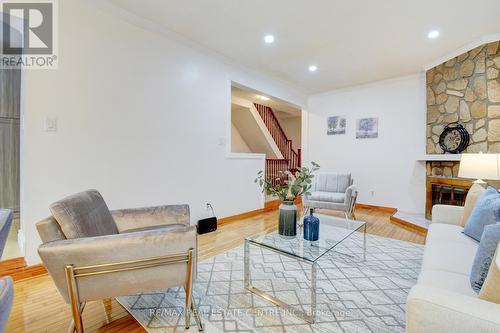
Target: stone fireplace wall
466, 89
442, 169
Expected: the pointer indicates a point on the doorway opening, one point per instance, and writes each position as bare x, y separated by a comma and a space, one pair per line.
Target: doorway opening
267, 125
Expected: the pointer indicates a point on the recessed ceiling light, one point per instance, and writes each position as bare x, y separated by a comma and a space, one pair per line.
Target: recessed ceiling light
263, 98
313, 68
433, 34
269, 39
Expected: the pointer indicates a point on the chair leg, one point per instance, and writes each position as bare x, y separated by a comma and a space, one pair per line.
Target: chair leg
196, 315
76, 306
71, 328
353, 207
108, 307
304, 212
189, 291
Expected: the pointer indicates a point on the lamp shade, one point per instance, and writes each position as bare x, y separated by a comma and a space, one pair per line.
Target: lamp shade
479, 166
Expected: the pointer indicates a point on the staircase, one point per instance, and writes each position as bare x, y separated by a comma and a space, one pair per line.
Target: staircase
291, 158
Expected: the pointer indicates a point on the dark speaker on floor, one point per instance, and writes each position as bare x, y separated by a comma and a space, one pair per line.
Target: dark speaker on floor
207, 225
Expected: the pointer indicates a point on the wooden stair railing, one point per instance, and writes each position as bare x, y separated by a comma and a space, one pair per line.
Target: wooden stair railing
292, 158
275, 169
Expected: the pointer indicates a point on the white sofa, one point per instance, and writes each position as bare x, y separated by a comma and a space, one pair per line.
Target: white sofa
443, 299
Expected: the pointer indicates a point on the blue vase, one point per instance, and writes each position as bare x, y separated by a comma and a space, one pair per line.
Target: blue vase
311, 227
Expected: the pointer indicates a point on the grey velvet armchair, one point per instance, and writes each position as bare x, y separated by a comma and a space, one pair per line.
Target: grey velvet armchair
334, 191
6, 285
93, 253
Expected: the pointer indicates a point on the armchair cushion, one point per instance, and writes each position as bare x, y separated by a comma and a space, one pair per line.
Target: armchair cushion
134, 218
169, 227
327, 196
84, 214
332, 182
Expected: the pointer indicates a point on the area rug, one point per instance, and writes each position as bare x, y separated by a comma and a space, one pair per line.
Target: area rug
352, 295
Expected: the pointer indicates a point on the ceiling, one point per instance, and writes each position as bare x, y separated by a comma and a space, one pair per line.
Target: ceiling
351, 42
281, 108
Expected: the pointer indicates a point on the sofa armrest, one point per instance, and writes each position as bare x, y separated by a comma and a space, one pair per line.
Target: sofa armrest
6, 300
431, 309
135, 218
447, 214
115, 249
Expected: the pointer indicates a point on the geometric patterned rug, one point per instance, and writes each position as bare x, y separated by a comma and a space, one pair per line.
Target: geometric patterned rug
352, 295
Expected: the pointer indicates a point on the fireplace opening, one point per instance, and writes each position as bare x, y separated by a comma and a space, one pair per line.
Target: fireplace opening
448, 195
444, 187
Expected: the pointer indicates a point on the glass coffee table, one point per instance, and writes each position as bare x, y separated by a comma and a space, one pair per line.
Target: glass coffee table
332, 232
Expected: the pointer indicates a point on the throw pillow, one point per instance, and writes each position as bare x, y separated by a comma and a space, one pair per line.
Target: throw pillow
484, 256
470, 201
491, 287
486, 211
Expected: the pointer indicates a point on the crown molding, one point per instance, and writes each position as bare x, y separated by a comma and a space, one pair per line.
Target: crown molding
367, 85
478, 42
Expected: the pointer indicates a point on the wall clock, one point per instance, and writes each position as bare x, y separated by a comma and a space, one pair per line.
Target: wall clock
454, 138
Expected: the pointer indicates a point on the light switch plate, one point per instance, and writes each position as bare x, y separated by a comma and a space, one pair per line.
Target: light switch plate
50, 124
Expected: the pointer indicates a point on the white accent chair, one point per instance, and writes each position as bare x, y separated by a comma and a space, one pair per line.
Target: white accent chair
443, 299
333, 191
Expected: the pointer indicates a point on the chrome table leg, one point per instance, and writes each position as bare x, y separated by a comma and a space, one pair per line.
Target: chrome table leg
310, 318
364, 243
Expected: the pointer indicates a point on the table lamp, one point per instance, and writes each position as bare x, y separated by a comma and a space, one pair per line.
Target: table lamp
480, 166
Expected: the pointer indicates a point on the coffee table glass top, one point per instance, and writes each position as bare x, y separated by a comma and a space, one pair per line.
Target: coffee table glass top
332, 231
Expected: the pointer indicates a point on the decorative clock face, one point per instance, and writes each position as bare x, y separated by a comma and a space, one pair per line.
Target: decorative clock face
454, 138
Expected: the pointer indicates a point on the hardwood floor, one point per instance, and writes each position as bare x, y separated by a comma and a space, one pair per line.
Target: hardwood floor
38, 307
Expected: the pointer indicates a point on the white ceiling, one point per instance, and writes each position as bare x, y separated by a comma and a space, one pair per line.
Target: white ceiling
351, 42
282, 109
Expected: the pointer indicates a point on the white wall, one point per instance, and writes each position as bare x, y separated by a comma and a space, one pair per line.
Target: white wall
387, 165
142, 118
293, 130
238, 145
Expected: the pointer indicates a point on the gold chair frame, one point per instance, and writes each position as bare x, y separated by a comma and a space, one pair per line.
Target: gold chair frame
73, 273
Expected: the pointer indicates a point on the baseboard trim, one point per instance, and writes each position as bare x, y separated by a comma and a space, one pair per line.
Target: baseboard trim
268, 207
408, 225
375, 207
394, 220
239, 216
18, 270
11, 264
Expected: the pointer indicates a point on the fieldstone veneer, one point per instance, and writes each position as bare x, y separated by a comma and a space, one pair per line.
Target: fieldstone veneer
466, 89
442, 169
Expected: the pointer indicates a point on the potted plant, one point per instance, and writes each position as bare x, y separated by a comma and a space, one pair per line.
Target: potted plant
287, 190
